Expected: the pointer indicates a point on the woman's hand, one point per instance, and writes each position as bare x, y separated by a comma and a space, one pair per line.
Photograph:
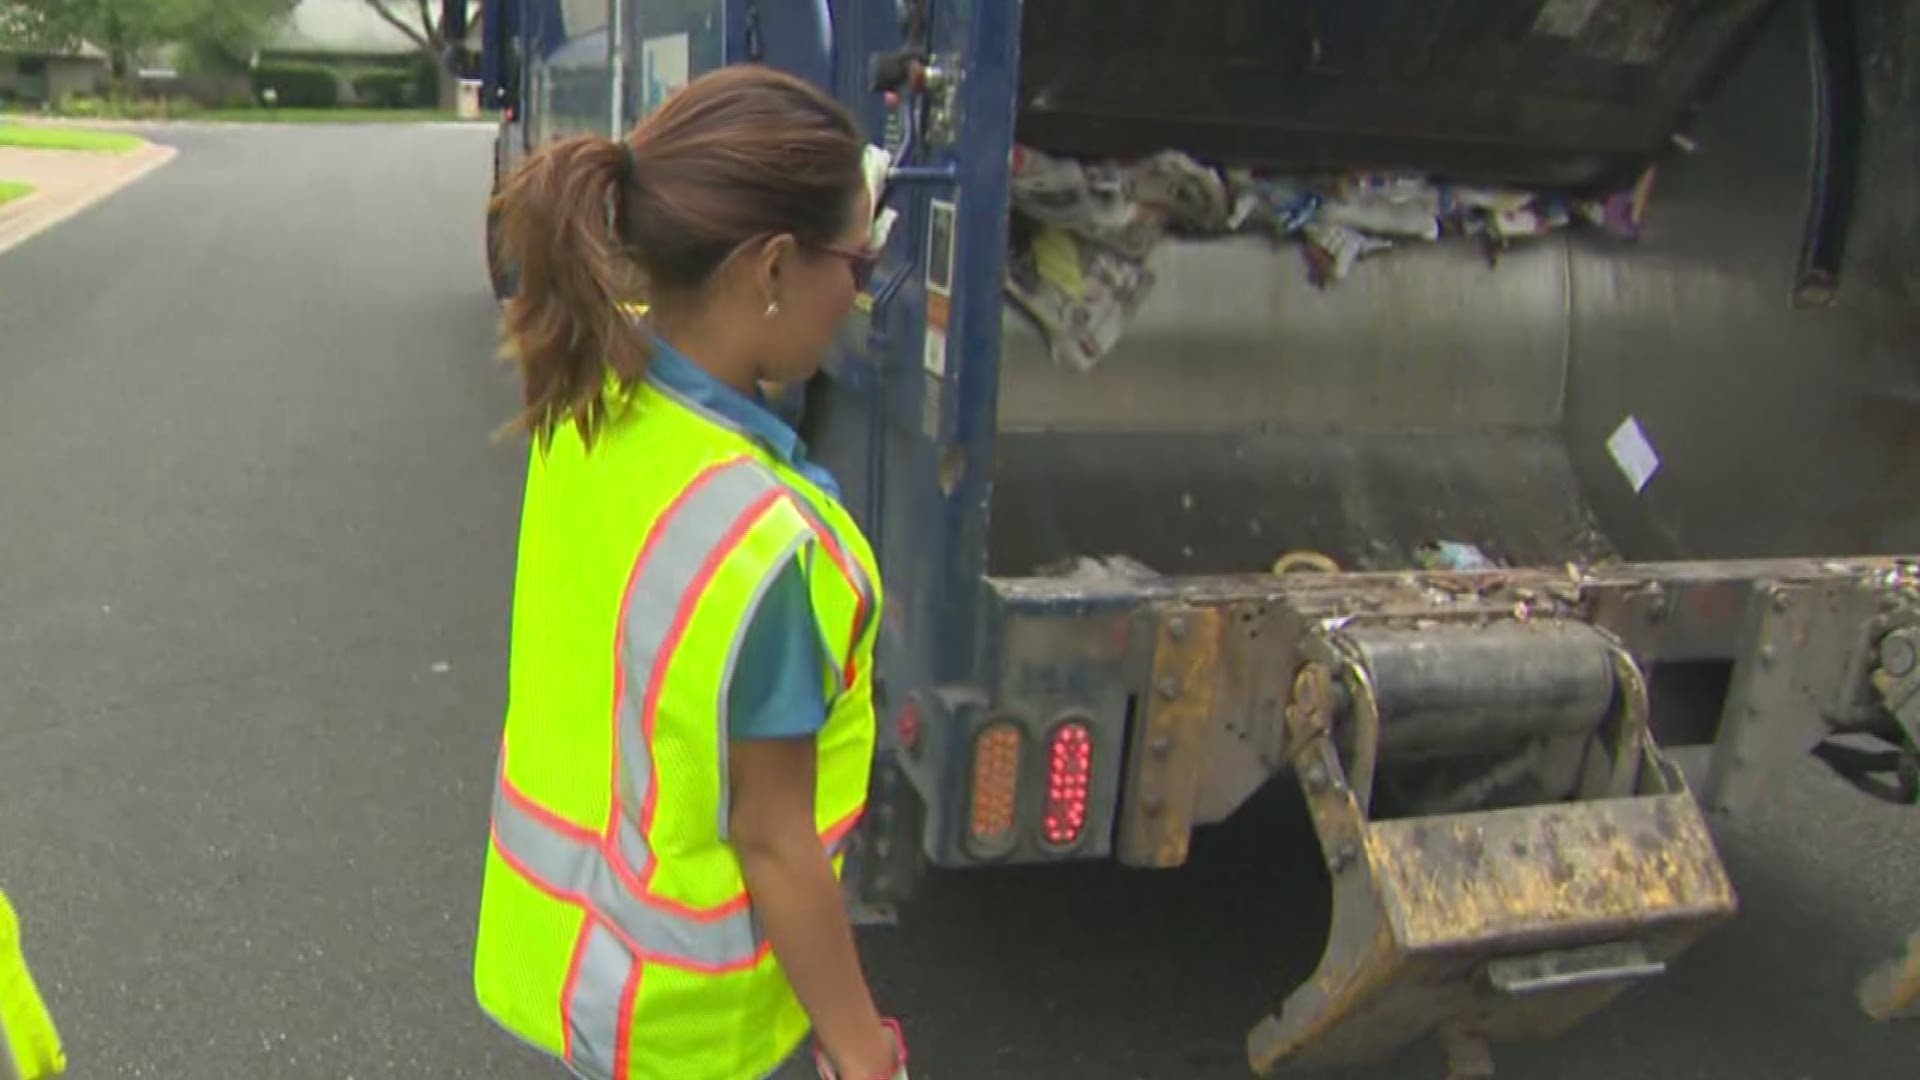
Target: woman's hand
791, 882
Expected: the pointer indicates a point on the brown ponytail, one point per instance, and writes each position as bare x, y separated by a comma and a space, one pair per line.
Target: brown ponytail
591, 222
565, 321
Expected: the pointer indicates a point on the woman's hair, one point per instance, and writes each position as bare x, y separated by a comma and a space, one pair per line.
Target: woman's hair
591, 223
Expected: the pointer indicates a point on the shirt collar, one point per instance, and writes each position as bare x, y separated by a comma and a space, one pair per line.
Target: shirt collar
683, 378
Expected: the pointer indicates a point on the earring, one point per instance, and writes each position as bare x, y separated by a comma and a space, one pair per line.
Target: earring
773, 308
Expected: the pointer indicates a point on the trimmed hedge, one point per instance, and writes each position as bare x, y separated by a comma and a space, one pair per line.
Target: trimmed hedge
426, 80
298, 85
385, 89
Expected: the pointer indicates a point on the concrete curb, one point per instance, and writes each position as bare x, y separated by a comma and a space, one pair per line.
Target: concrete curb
52, 204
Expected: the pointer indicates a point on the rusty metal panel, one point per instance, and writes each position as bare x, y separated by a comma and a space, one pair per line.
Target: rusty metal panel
1495, 925
1171, 740
1249, 695
1528, 876
1797, 675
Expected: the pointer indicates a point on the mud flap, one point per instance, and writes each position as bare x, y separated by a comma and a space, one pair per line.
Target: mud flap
1493, 925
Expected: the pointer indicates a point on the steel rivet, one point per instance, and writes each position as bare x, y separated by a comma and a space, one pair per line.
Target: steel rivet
1161, 746
1781, 601
1177, 629
1153, 803
1316, 777
1169, 687
1342, 857
1768, 655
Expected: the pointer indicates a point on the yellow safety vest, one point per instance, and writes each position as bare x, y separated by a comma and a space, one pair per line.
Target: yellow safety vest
29, 1044
615, 928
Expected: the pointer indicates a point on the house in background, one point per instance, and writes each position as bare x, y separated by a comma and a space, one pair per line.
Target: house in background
352, 38
340, 32
38, 76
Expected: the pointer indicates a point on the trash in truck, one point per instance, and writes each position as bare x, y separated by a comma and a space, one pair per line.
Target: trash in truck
1454, 555
1080, 293
1078, 266
1084, 232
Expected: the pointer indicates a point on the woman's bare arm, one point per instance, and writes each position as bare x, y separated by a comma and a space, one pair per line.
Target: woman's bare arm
798, 899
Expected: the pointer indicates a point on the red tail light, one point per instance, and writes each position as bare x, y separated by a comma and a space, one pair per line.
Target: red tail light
907, 726
996, 783
1069, 771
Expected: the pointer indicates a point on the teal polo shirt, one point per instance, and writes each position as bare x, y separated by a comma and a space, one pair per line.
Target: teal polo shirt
778, 689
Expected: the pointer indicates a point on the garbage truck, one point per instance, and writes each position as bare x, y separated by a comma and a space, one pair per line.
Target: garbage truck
1444, 409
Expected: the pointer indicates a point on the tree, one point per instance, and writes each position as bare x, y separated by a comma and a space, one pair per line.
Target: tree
440, 38
127, 29
225, 35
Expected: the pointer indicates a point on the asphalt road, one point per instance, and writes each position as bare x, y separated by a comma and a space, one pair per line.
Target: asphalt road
255, 549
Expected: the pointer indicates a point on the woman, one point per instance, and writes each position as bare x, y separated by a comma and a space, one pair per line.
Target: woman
690, 725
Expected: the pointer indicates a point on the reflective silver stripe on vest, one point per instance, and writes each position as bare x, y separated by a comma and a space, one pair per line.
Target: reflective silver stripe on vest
861, 582
593, 1009
760, 591
686, 538
578, 867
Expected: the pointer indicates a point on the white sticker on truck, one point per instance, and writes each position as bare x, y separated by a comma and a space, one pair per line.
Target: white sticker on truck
935, 358
666, 63
1633, 453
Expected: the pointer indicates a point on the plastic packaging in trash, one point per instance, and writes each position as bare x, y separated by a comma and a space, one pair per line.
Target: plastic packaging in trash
1126, 207
1092, 201
1623, 212
1452, 555
1191, 196
1332, 250
1081, 294
1530, 221
1404, 207
1284, 205
1462, 201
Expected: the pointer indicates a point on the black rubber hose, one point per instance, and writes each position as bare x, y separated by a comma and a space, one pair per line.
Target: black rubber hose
1839, 114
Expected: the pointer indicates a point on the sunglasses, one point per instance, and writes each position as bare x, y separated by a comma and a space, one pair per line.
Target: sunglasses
859, 263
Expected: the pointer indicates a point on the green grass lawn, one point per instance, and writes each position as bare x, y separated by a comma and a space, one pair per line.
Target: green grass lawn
14, 189
252, 115
323, 116
50, 138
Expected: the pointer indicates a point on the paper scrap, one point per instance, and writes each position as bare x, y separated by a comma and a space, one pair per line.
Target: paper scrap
1633, 453
1058, 257
882, 228
875, 163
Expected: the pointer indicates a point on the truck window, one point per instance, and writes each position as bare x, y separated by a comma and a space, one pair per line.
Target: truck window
674, 41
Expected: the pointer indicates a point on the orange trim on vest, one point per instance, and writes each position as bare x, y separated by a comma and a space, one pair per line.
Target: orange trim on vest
839, 556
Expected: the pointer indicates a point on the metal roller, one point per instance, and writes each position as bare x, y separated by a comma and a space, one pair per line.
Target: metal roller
1449, 691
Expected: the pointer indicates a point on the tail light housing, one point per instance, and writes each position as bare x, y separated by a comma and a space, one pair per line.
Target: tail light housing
993, 794
906, 726
1069, 779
